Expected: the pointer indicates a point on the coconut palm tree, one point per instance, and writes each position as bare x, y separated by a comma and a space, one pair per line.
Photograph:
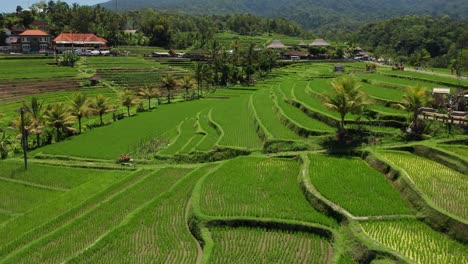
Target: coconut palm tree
347, 97
169, 83
80, 107
16, 125
58, 116
5, 144
36, 111
187, 84
100, 105
198, 74
149, 92
127, 99
415, 97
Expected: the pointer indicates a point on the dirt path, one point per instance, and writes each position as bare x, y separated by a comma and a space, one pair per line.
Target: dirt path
200, 250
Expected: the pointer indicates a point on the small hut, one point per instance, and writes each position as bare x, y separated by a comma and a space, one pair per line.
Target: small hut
339, 68
440, 96
277, 44
319, 43
302, 44
95, 80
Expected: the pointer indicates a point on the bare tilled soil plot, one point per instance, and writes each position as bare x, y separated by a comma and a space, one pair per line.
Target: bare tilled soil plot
11, 90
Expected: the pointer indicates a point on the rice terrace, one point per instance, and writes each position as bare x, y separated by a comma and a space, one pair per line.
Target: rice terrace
232, 138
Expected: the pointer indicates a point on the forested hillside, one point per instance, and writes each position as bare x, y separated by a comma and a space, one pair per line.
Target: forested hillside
311, 14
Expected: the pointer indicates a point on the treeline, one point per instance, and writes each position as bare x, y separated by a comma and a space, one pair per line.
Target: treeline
169, 30
420, 41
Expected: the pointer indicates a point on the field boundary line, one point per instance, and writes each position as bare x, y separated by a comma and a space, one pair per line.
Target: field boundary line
173, 140
130, 217
35, 185
88, 205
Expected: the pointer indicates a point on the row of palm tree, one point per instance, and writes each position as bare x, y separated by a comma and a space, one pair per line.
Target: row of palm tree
348, 97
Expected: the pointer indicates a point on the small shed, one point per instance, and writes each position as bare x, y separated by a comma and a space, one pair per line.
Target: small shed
319, 43
296, 54
95, 80
302, 44
441, 96
277, 44
339, 68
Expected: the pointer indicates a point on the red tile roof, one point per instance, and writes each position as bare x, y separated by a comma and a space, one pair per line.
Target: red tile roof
34, 32
79, 38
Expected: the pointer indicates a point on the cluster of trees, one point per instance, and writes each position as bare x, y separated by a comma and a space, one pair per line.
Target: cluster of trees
419, 41
347, 97
155, 28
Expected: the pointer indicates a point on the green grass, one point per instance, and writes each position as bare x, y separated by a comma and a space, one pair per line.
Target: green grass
446, 188
416, 241
226, 38
264, 105
457, 149
186, 132
57, 207
237, 122
211, 136
97, 222
260, 245
352, 184
126, 135
426, 77
159, 229
33, 68
258, 187
51, 176
18, 198
380, 92
300, 117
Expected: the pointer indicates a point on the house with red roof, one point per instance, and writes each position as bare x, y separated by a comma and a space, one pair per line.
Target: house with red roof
33, 40
29, 41
79, 41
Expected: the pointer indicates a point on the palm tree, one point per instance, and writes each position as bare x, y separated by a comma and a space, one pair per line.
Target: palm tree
80, 107
149, 92
187, 84
100, 105
415, 97
59, 117
347, 97
16, 125
36, 111
127, 99
5, 144
198, 74
207, 74
169, 83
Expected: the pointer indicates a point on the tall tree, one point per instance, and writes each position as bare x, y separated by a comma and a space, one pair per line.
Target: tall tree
127, 99
80, 107
347, 97
169, 83
187, 84
415, 97
36, 110
100, 105
198, 74
149, 92
59, 117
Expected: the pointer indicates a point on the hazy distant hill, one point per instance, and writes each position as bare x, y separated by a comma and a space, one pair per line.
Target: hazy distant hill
309, 13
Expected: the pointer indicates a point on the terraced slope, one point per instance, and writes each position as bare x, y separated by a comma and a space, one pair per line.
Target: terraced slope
258, 187
352, 184
157, 233
416, 241
260, 245
97, 222
444, 187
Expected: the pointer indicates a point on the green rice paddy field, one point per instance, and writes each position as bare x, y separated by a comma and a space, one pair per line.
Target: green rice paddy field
207, 187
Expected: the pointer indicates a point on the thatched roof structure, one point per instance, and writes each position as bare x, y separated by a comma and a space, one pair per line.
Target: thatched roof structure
319, 43
302, 44
297, 53
277, 44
